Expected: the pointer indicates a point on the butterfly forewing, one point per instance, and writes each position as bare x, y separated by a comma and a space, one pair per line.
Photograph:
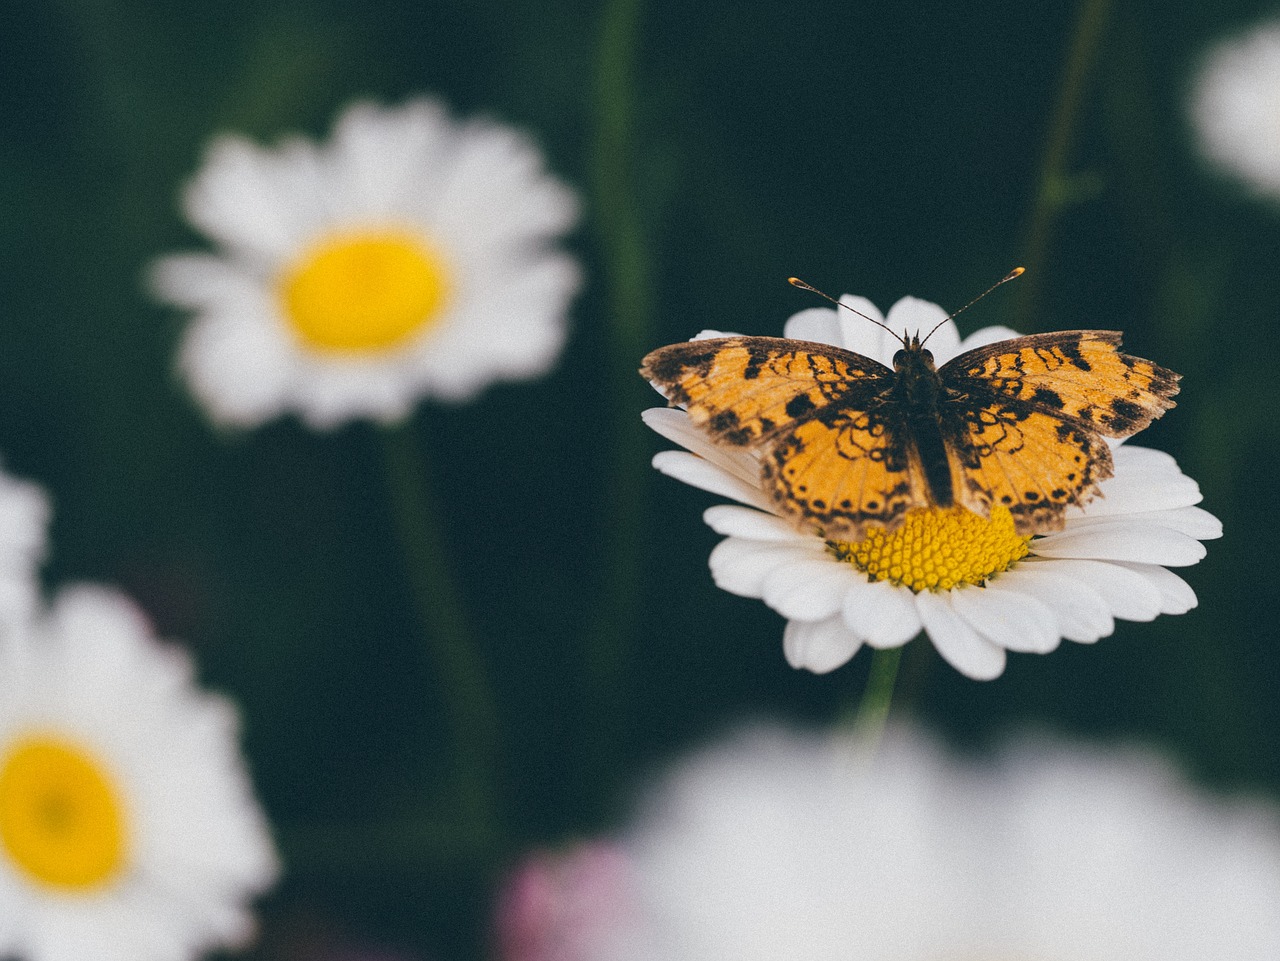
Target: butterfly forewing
744, 389
1079, 375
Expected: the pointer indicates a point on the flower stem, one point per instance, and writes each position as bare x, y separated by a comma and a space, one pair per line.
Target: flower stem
454, 657
873, 710
1056, 189
629, 303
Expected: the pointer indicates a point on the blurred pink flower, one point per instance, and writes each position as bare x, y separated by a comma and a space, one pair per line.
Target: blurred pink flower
556, 905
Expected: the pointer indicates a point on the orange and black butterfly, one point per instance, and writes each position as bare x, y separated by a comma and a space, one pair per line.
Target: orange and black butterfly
846, 442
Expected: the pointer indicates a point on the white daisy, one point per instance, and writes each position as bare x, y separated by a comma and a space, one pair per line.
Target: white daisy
128, 828
778, 845
24, 537
1235, 107
411, 256
972, 584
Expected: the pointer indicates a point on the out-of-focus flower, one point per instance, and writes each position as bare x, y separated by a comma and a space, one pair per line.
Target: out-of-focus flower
24, 529
556, 906
412, 256
1235, 107
777, 845
128, 827
975, 586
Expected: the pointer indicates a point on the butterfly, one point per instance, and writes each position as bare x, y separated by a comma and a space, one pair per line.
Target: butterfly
846, 443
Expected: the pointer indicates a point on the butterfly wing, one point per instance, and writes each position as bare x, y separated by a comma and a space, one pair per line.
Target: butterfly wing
742, 390
847, 468
1024, 420
833, 450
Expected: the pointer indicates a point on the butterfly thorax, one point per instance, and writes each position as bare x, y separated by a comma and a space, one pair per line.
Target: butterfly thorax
918, 393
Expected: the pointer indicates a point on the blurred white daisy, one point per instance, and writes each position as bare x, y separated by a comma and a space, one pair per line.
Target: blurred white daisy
128, 827
1235, 107
24, 539
411, 256
777, 845
976, 587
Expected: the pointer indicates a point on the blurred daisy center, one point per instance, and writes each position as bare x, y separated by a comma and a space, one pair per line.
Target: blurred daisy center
935, 549
364, 292
61, 819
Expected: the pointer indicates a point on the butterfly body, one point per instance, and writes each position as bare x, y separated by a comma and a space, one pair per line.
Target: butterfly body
845, 442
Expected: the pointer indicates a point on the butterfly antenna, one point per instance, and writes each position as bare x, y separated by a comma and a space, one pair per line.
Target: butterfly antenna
797, 282
1016, 272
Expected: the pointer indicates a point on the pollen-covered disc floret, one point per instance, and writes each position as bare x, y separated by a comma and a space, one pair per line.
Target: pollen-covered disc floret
364, 292
937, 549
975, 586
128, 827
409, 256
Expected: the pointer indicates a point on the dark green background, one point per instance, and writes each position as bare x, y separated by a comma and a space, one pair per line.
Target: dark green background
877, 149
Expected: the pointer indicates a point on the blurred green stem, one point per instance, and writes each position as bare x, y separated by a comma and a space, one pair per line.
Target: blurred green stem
456, 661
628, 305
1056, 188
873, 709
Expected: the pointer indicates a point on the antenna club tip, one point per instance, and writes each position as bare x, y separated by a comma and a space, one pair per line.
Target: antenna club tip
796, 282
1016, 272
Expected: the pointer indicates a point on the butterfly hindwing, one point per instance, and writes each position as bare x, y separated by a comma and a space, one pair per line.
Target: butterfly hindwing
744, 389
845, 469
1030, 462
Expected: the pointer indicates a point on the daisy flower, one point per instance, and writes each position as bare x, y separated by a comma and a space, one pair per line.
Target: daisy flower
780, 845
128, 828
24, 530
411, 256
1235, 107
975, 586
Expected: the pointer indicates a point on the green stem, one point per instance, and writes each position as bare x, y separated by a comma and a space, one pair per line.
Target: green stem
873, 710
457, 663
629, 305
1053, 191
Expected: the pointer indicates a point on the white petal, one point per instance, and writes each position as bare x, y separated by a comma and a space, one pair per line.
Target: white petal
985, 336
1147, 460
700, 473
862, 336
754, 525
819, 646
882, 613
709, 334
1126, 540
807, 590
1011, 619
1126, 593
675, 426
963, 648
1176, 595
1081, 612
1192, 521
740, 566
818, 324
1129, 493
916, 316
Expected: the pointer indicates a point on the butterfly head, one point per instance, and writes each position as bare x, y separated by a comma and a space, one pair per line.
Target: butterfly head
912, 354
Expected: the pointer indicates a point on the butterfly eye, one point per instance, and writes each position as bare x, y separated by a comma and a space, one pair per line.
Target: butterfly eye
899, 359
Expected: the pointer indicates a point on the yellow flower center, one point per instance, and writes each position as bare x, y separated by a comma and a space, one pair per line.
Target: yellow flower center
364, 292
935, 549
61, 819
